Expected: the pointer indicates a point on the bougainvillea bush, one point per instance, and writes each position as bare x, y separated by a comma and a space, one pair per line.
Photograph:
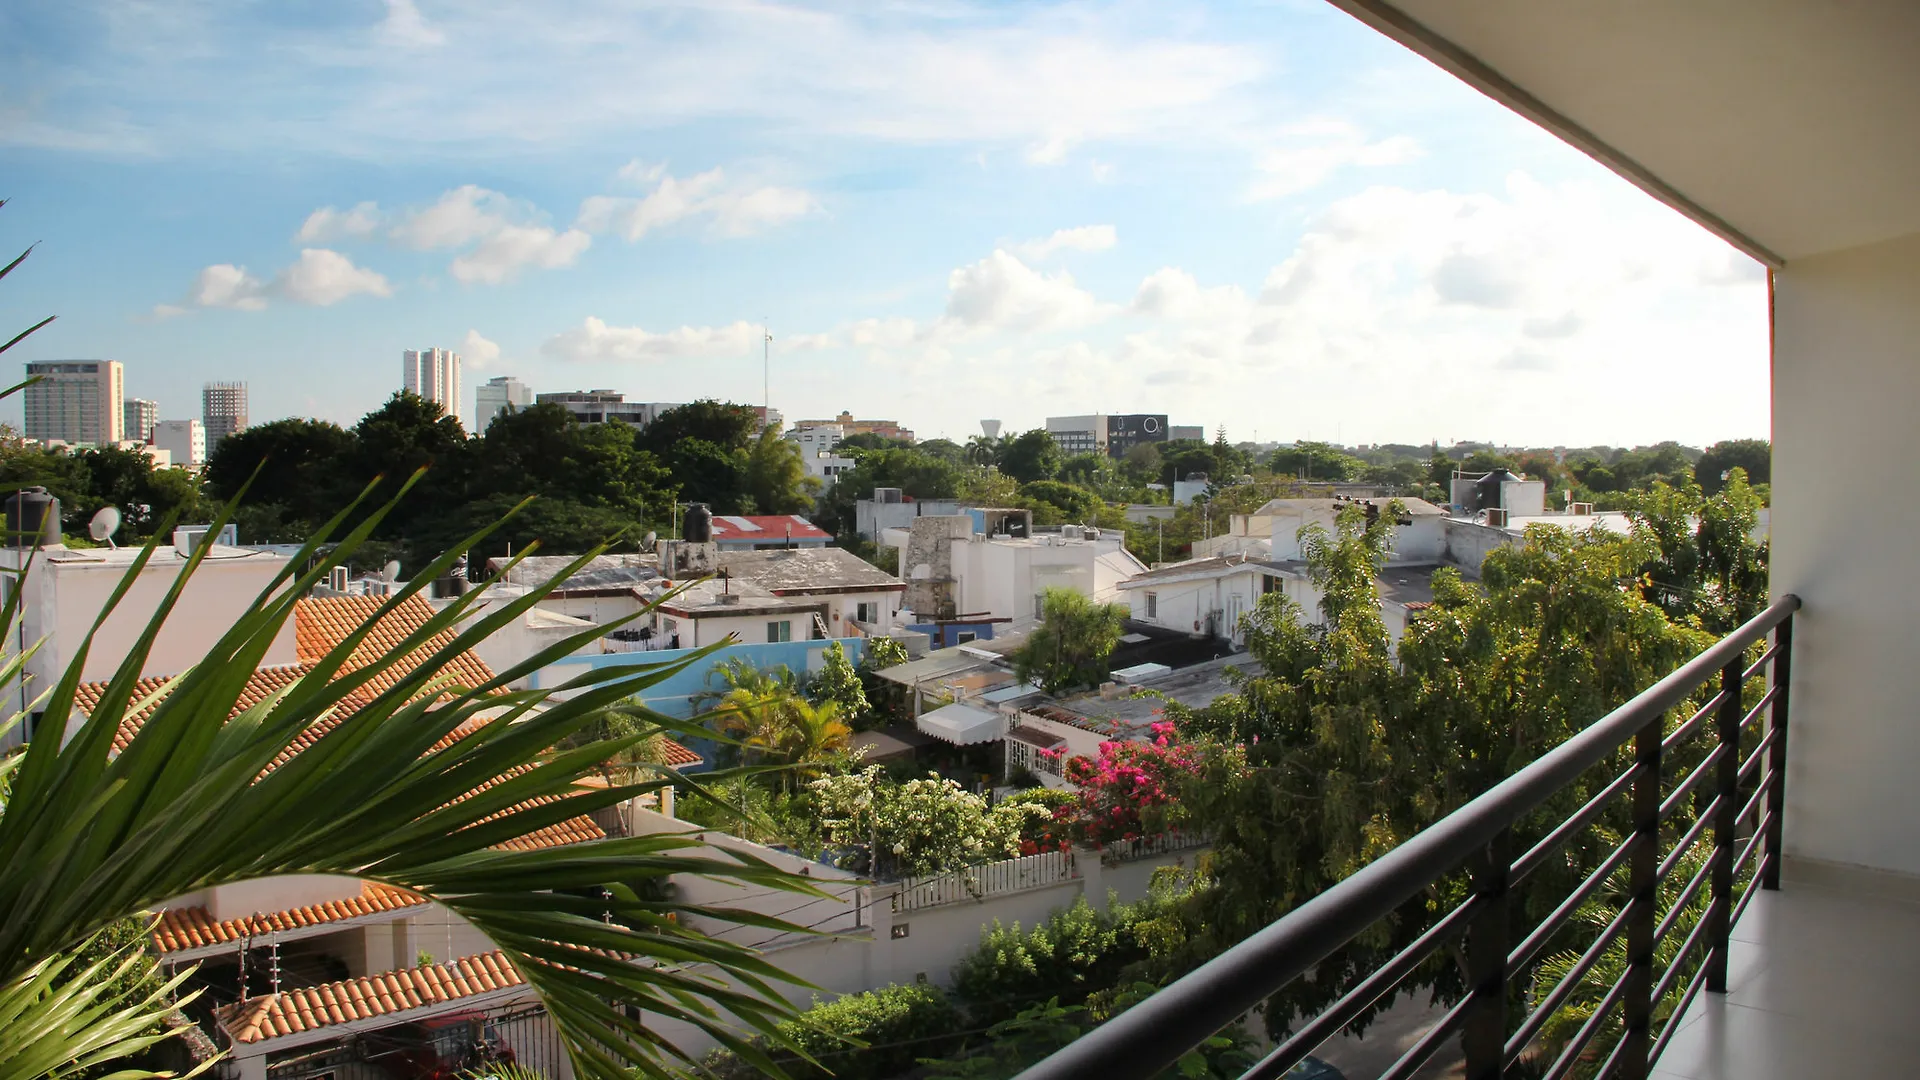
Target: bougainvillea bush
1131, 789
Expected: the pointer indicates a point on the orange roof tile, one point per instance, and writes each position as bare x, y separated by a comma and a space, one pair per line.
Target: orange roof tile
293, 1011
264, 683
193, 927
321, 623
675, 756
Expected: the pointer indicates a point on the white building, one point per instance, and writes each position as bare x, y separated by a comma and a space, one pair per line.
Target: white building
75, 401
498, 395
1079, 434
434, 374
65, 590
185, 441
138, 417
223, 410
603, 406
890, 508
989, 563
816, 451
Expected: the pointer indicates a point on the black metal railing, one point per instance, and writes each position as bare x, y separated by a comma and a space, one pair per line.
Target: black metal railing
1478, 837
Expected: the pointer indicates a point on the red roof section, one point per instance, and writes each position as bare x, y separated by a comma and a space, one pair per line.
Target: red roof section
766, 528
322, 622
293, 1011
193, 927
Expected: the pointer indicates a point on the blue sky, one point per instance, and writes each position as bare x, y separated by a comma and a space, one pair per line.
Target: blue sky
1262, 216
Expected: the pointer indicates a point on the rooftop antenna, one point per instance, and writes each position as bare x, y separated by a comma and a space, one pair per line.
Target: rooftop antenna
106, 522
766, 378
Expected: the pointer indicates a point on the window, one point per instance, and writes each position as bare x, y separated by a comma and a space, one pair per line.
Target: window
1153, 606
965, 636
867, 613
780, 631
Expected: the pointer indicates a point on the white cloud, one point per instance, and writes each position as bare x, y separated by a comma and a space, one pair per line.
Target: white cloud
327, 223
642, 172
405, 26
500, 256
1001, 293
732, 211
1082, 238
593, 341
478, 352
318, 278
225, 285
1175, 294
322, 278
459, 217
1305, 156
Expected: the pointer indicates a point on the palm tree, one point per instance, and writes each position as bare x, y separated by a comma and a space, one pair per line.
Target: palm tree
983, 450
813, 735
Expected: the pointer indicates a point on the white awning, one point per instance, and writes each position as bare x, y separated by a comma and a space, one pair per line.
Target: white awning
962, 725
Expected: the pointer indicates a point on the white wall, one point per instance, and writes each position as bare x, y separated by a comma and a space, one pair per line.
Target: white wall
1184, 606
1846, 383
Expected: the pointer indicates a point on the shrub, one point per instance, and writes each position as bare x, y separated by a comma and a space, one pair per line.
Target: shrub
1075, 952
896, 1027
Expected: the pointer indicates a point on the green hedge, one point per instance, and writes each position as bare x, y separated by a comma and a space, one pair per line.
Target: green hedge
898, 1025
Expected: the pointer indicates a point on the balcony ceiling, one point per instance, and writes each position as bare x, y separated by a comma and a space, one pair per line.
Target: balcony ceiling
1786, 126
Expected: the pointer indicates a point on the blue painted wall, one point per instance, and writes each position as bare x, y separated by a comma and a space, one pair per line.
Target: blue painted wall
675, 695
947, 636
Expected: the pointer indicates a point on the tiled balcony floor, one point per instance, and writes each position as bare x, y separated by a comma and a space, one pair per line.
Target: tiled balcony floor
1823, 981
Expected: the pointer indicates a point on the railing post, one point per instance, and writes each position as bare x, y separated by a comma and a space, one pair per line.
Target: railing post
1782, 679
1725, 824
1483, 1038
1643, 887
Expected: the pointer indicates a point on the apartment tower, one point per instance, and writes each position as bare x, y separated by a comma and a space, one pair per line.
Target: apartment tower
434, 374
223, 411
496, 396
138, 418
75, 401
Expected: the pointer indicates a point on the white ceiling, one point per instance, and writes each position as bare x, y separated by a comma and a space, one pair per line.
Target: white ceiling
1790, 126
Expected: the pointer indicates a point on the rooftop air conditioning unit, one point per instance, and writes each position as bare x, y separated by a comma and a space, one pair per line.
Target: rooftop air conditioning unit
1497, 517
1583, 509
188, 537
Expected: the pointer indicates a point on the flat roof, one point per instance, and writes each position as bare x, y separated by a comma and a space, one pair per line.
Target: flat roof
784, 570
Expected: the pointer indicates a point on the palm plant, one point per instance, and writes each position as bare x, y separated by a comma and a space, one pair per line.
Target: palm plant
412, 789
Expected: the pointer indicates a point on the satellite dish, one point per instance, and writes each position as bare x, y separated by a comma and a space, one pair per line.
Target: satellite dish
649, 541
105, 523
391, 571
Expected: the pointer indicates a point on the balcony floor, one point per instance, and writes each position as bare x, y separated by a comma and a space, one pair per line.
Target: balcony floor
1821, 983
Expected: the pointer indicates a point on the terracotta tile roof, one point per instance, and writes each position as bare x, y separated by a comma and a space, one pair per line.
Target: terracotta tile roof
293, 1011
193, 927
265, 682
675, 756
321, 623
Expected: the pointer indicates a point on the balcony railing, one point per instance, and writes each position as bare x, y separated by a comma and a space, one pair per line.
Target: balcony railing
1493, 1037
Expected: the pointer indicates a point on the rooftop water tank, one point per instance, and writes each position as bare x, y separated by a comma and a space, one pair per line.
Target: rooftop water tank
1487, 489
33, 519
699, 524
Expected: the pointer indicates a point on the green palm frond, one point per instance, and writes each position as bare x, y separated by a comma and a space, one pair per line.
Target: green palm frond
195, 801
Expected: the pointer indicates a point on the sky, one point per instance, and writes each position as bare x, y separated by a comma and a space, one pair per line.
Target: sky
1257, 216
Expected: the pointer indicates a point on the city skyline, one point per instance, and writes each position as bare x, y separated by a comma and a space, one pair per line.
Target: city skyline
1271, 220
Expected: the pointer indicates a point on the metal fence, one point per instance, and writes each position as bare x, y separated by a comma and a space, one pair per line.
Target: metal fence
988, 879
1734, 840
1146, 847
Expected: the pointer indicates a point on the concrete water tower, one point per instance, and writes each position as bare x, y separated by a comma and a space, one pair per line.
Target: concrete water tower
990, 428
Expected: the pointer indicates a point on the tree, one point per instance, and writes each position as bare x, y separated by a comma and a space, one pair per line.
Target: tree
1071, 645
181, 808
1706, 565
1131, 788
873, 440
1030, 455
1055, 503
1315, 461
777, 480
839, 683
983, 450
297, 467
1333, 749
1142, 463
144, 495
923, 826
916, 474
1717, 464
721, 424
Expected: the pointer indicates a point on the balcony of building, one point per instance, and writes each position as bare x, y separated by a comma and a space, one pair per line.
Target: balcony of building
1783, 128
